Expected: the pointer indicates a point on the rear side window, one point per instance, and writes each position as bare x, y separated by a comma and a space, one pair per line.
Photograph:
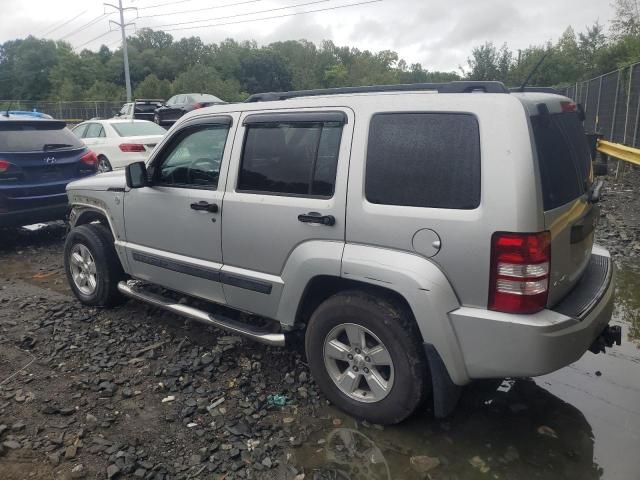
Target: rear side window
36, 136
291, 158
563, 157
136, 129
424, 160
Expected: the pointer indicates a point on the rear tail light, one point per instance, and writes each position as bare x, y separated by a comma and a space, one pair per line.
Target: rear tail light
519, 280
89, 158
568, 107
132, 147
4, 166
197, 105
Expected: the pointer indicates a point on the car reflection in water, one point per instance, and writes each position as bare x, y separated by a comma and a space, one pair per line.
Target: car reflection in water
513, 430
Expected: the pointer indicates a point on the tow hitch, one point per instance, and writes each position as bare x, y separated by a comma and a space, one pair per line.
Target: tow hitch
609, 336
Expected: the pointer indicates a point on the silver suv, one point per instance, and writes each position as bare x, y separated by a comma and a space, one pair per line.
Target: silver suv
420, 236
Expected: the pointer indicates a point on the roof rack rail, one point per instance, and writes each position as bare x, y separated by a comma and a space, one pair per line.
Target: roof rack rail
536, 90
448, 87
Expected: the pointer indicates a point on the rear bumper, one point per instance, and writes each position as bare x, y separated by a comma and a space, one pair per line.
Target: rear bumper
18, 218
498, 345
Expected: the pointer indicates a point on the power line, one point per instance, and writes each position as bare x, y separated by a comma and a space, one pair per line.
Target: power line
86, 25
274, 16
201, 9
125, 54
59, 26
244, 14
164, 4
94, 39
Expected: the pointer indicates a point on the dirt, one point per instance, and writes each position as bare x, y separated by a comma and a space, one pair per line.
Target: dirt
135, 392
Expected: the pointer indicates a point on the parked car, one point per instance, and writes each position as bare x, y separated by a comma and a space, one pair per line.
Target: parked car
38, 157
140, 109
420, 236
117, 143
28, 113
178, 105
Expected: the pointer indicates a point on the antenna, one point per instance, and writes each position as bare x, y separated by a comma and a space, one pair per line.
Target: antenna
533, 72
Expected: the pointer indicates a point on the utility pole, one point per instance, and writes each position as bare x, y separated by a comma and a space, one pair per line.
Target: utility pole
122, 26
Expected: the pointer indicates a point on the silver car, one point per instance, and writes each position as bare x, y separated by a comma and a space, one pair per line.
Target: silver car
421, 236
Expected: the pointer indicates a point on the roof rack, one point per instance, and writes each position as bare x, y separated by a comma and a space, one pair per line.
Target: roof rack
536, 90
448, 87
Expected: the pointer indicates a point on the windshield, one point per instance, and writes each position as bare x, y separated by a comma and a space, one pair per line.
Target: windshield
563, 157
36, 137
137, 129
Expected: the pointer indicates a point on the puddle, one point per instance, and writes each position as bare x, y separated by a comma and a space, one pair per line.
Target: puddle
581, 422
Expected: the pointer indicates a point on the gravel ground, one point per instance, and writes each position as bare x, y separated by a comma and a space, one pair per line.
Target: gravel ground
136, 392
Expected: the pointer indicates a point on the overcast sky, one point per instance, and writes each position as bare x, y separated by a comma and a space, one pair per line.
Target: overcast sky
438, 34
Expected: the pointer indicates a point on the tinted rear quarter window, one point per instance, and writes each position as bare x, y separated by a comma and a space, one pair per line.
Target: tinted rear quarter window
563, 157
36, 136
424, 160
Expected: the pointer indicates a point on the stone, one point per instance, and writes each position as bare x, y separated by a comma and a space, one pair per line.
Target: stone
112, 471
424, 463
480, 464
267, 462
16, 427
70, 452
11, 444
78, 471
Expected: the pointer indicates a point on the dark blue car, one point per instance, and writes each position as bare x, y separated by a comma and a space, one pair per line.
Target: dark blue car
38, 158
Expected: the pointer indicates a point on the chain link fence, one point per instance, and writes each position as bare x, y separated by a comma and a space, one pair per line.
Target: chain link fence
70, 112
612, 104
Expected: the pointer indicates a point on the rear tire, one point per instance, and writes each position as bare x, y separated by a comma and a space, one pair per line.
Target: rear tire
103, 164
92, 266
382, 376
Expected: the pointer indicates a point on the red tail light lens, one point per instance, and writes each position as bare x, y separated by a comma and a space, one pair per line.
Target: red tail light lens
568, 107
197, 105
519, 272
89, 158
4, 166
132, 147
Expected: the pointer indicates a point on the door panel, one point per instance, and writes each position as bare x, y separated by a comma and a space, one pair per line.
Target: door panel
173, 231
261, 225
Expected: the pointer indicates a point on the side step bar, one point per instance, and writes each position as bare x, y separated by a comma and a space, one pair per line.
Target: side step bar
262, 336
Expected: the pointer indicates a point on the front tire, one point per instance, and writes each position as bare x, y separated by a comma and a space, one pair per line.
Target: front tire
365, 353
157, 120
92, 266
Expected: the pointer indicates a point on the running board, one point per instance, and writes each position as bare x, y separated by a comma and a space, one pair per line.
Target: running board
262, 336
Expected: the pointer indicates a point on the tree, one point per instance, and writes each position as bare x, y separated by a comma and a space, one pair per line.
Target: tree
264, 71
590, 43
627, 18
201, 79
487, 62
153, 87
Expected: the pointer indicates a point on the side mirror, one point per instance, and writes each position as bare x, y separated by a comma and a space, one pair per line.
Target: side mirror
136, 175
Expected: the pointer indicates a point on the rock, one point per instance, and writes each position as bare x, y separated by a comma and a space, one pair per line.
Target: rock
91, 419
127, 393
3, 428
195, 460
78, 471
70, 452
67, 411
140, 473
547, 431
424, 463
267, 462
170, 398
480, 464
54, 458
12, 444
19, 425
112, 471
511, 455
303, 377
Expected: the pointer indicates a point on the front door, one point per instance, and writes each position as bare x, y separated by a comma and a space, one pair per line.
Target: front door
286, 195
173, 227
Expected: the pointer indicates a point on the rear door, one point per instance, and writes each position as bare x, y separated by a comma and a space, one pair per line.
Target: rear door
287, 188
94, 135
564, 162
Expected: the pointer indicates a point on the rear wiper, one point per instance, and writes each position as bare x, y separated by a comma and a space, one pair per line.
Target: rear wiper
55, 146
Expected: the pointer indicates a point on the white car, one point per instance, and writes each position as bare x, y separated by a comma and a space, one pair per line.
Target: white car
117, 142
